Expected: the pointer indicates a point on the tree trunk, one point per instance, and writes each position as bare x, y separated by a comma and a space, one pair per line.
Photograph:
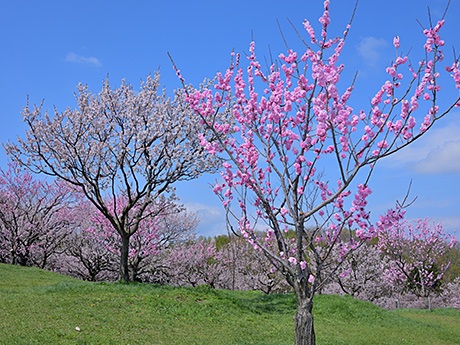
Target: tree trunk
303, 323
124, 267
428, 302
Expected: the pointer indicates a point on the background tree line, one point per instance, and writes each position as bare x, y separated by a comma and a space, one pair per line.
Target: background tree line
52, 226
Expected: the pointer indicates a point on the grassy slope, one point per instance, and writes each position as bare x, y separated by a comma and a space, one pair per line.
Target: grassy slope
38, 307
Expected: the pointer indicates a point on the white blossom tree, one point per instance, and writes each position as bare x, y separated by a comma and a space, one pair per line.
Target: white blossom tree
117, 143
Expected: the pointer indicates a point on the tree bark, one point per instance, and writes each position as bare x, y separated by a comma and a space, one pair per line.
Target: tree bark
124, 267
303, 323
428, 303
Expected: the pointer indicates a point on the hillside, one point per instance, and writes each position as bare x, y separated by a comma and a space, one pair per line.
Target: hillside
39, 307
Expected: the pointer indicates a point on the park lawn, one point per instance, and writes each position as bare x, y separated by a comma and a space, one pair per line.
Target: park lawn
40, 307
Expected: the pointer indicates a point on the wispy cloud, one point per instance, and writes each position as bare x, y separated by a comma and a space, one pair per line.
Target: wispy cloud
211, 212
86, 60
213, 221
369, 48
212, 218
443, 159
437, 152
451, 225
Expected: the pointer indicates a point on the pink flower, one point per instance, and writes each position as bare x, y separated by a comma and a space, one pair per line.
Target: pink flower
360, 233
217, 188
292, 260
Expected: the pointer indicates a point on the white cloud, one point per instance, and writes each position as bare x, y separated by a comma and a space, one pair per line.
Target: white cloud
211, 212
444, 159
213, 221
451, 225
90, 61
437, 152
370, 49
212, 218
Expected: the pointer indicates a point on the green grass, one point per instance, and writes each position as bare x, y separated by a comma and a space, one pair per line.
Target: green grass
39, 307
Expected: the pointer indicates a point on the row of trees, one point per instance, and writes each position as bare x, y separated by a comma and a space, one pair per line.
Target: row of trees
52, 226
295, 157
42, 224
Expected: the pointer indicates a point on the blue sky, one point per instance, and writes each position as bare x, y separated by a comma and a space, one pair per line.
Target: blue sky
48, 47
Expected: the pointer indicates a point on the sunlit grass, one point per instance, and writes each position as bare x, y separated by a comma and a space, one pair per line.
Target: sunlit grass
38, 307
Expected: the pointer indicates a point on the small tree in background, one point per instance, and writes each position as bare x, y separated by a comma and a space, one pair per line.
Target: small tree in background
96, 245
193, 263
35, 218
117, 142
292, 125
361, 274
87, 259
415, 250
245, 268
450, 295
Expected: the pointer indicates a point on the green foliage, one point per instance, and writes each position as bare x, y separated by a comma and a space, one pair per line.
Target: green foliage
40, 307
452, 256
222, 241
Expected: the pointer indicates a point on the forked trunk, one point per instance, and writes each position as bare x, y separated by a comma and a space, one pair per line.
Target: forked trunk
303, 323
124, 267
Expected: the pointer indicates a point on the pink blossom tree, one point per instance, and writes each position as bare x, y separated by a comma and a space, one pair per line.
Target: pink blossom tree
84, 256
86, 259
246, 268
35, 218
415, 250
117, 142
165, 223
193, 263
291, 125
450, 295
361, 274
175, 229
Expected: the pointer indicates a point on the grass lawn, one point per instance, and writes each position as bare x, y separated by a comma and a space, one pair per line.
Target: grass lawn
39, 307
